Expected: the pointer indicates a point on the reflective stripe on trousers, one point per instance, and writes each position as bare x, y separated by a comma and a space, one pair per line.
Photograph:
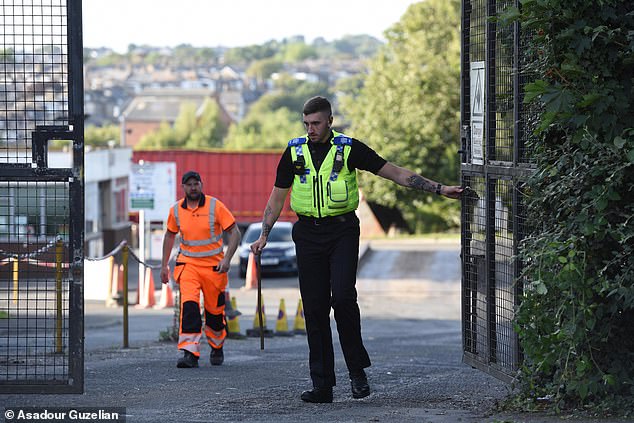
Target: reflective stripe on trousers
193, 279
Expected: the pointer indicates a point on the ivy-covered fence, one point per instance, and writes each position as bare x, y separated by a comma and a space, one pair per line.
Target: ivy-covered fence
576, 318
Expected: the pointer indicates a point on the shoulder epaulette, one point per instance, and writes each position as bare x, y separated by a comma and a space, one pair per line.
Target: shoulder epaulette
297, 141
342, 140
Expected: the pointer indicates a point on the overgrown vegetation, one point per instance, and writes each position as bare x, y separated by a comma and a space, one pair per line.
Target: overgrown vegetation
576, 320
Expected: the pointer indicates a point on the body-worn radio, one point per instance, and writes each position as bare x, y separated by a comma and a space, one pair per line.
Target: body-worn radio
299, 166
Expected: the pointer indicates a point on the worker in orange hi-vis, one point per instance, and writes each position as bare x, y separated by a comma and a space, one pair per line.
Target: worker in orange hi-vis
201, 264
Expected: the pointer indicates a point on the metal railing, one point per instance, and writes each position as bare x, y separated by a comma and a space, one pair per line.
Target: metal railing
59, 265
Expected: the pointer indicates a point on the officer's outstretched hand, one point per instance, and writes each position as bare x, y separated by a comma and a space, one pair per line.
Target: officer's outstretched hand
258, 245
450, 191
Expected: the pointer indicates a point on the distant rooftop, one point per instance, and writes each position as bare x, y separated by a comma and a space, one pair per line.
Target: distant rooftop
163, 105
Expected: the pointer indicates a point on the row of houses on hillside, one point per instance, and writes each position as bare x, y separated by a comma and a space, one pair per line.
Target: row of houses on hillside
121, 94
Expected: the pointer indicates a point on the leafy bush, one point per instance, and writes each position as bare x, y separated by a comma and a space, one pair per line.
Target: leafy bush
576, 320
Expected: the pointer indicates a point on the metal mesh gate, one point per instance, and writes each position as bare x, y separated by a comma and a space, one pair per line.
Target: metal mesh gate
41, 201
495, 164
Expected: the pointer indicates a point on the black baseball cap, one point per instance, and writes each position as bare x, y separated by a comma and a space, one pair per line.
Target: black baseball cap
189, 175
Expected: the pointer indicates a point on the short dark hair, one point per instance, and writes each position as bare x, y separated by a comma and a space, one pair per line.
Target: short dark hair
317, 104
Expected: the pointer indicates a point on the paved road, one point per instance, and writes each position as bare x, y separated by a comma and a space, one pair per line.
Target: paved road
409, 294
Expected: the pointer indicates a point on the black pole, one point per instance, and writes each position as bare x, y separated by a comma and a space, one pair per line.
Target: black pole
258, 265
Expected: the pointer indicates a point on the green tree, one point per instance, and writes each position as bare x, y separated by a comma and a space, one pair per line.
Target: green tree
289, 93
267, 130
188, 55
357, 45
248, 54
297, 52
275, 118
262, 69
408, 110
185, 122
111, 59
209, 130
191, 129
99, 136
206, 55
164, 137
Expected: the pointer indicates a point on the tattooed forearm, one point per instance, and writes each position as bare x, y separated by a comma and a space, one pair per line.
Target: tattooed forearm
420, 183
266, 228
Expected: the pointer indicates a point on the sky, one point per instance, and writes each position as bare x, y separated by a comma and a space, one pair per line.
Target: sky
232, 23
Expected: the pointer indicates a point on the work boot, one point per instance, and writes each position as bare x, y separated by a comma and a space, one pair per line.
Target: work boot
359, 384
231, 313
217, 357
319, 395
187, 361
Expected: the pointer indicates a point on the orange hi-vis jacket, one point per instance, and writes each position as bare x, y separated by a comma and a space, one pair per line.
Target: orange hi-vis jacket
200, 229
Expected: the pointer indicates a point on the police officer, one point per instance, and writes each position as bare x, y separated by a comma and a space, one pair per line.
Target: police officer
321, 169
201, 265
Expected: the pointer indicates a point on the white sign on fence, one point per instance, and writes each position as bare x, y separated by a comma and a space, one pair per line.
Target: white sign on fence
477, 97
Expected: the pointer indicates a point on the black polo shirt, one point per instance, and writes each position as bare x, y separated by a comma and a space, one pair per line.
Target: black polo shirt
361, 157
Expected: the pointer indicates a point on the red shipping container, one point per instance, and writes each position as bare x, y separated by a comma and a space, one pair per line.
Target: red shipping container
241, 180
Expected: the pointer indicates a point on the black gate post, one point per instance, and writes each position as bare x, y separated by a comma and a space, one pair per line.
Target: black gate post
76, 186
494, 166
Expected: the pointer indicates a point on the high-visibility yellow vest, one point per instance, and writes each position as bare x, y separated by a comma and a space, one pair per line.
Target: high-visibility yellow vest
331, 191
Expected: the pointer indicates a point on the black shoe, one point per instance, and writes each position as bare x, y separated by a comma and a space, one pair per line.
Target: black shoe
217, 357
319, 395
187, 361
359, 384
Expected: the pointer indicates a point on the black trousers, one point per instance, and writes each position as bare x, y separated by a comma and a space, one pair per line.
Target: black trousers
327, 257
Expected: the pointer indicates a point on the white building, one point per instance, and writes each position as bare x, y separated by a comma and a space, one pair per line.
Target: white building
106, 196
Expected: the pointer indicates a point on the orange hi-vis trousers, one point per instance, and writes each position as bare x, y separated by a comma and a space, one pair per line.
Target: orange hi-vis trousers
192, 280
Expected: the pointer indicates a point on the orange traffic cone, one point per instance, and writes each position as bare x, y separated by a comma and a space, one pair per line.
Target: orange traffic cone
147, 300
251, 280
167, 296
149, 286
299, 326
